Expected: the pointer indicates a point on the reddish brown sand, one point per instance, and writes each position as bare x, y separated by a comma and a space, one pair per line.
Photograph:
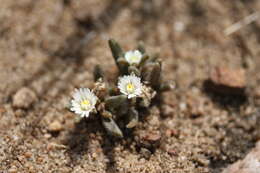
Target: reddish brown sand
49, 47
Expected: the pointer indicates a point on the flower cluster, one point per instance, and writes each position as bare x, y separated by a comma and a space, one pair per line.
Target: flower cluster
84, 100
138, 82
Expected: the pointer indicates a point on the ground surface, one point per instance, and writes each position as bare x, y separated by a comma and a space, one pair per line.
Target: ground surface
51, 47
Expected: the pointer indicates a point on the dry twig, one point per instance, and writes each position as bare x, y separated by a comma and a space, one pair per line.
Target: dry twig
236, 26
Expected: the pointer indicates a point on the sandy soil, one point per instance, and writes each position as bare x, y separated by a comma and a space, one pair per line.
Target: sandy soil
51, 47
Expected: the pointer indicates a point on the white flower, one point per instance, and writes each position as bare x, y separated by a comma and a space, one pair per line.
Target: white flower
133, 57
130, 85
83, 102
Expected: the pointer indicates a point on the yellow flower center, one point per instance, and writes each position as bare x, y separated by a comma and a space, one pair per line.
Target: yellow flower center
85, 104
134, 58
130, 87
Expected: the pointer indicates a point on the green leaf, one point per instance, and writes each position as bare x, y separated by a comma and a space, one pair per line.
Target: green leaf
133, 118
115, 49
111, 127
98, 73
115, 101
133, 69
141, 47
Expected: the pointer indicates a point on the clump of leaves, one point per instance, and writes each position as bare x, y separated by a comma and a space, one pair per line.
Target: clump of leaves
139, 81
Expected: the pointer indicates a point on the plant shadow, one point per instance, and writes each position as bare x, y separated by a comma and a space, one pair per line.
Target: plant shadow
78, 139
225, 99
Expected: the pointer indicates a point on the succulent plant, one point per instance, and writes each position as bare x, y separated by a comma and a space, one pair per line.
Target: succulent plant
139, 81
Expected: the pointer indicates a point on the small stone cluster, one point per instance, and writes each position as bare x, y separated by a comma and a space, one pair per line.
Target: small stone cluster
139, 81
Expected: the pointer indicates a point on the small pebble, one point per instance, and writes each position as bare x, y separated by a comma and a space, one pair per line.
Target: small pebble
24, 98
228, 81
179, 26
183, 106
250, 164
172, 152
13, 169
2, 110
168, 133
28, 154
19, 113
47, 136
55, 126
94, 155
229, 77
39, 160
171, 132
52, 146
153, 137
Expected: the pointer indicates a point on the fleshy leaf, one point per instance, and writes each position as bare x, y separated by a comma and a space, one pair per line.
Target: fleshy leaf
133, 69
98, 73
111, 127
115, 101
133, 118
141, 47
122, 65
115, 49
151, 72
